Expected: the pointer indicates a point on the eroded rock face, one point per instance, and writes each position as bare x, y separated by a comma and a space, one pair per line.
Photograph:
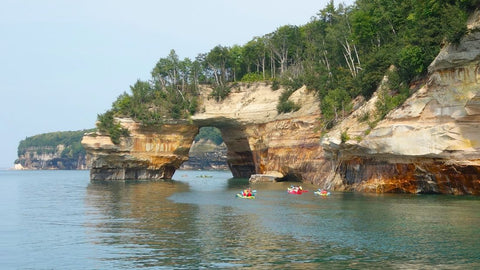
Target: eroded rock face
261, 141
407, 176
50, 159
431, 144
146, 154
428, 145
258, 139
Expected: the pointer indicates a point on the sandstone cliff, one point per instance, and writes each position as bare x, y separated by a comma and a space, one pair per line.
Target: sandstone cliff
48, 158
428, 145
206, 155
258, 139
52, 151
145, 154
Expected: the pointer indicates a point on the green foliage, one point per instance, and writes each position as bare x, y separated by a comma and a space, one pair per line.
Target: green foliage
47, 143
252, 77
171, 93
292, 84
220, 92
335, 105
344, 51
453, 21
107, 124
393, 94
275, 84
410, 61
344, 136
209, 133
374, 68
364, 117
285, 105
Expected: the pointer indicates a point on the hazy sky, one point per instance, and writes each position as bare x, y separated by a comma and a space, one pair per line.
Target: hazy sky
62, 62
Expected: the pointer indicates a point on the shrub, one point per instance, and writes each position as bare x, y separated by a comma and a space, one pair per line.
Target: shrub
275, 84
220, 92
285, 105
344, 136
107, 124
393, 94
252, 77
364, 117
335, 105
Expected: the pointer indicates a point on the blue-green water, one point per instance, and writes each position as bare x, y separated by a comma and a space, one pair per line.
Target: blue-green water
60, 220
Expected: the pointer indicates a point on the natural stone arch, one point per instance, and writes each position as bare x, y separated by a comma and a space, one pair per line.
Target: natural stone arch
239, 154
158, 153
259, 139
289, 144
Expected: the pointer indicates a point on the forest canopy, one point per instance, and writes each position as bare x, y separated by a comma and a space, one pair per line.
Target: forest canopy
343, 52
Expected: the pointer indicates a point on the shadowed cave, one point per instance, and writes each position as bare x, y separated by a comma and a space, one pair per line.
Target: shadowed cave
239, 155
241, 160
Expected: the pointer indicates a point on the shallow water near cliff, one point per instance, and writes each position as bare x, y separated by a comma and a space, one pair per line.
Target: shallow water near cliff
60, 220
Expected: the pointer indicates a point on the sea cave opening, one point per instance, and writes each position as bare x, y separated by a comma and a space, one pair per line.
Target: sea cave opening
208, 151
221, 147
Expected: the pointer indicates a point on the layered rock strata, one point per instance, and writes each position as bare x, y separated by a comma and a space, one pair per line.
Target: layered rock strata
428, 145
206, 155
258, 139
145, 154
49, 158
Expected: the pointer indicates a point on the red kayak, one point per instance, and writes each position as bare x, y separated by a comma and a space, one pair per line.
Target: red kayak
296, 191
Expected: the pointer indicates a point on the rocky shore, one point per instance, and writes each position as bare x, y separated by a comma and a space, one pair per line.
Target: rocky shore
430, 144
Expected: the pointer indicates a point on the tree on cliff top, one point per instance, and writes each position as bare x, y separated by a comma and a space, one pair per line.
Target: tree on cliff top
343, 49
171, 93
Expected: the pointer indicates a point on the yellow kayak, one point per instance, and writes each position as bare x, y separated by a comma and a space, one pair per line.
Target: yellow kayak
245, 197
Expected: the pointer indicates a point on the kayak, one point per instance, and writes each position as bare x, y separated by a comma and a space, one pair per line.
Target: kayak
322, 193
239, 195
296, 191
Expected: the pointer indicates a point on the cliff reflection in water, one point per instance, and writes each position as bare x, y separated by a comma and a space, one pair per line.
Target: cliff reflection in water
137, 219
139, 224
196, 222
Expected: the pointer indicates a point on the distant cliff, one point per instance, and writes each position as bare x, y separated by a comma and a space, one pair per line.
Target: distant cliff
206, 155
52, 151
63, 151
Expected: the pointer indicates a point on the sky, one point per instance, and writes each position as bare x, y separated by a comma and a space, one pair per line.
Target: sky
62, 62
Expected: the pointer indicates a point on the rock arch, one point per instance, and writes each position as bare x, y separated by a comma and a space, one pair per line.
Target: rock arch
258, 139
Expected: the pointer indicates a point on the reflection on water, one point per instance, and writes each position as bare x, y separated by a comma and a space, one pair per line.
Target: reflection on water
197, 222
60, 220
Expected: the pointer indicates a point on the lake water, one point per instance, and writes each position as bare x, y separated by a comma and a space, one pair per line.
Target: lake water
60, 220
